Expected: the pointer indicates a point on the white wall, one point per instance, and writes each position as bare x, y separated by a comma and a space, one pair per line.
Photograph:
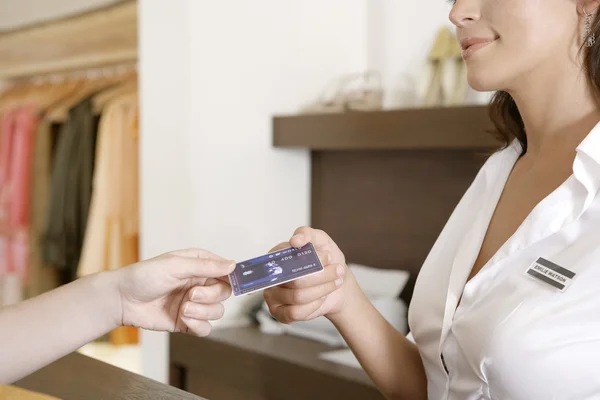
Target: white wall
264, 58
213, 74
17, 13
400, 35
165, 155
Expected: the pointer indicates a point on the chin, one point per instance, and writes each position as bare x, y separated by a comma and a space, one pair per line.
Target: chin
483, 81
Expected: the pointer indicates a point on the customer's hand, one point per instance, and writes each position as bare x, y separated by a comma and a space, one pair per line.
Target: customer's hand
176, 292
321, 294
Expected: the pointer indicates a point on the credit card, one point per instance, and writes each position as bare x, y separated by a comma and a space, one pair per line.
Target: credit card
274, 269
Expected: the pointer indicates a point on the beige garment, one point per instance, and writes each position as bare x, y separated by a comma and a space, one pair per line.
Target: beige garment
15, 393
42, 277
111, 239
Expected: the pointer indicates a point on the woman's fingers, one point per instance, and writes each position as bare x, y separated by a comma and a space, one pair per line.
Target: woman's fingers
306, 234
280, 246
321, 241
330, 273
291, 313
287, 296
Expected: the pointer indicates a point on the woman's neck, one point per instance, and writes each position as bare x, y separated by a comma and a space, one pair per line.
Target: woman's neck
558, 113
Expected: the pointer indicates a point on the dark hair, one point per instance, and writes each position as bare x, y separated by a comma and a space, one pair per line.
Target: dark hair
503, 110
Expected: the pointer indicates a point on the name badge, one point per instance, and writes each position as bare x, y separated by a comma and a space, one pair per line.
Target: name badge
552, 274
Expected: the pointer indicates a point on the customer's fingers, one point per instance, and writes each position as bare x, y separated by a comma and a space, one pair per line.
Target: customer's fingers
197, 327
203, 312
215, 293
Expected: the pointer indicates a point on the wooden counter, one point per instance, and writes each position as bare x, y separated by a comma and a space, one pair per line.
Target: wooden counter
243, 363
77, 377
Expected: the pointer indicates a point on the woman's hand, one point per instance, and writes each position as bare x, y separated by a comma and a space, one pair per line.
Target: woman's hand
321, 294
176, 292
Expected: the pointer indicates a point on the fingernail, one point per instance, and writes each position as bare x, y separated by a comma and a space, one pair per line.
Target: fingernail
296, 237
340, 270
194, 296
339, 282
185, 309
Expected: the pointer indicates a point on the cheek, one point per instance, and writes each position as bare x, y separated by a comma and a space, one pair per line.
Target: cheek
532, 33
497, 65
517, 53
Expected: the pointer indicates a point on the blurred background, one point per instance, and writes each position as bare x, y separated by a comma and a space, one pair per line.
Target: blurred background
131, 128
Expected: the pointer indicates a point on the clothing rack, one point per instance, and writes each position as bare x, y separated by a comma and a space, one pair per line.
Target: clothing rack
95, 39
69, 110
79, 74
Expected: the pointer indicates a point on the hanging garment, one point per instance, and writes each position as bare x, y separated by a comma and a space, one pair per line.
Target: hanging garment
111, 240
42, 277
19, 129
5, 158
70, 191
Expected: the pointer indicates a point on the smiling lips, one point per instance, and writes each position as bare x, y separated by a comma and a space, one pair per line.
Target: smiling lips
471, 45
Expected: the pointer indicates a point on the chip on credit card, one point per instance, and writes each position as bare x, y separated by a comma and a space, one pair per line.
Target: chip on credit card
274, 269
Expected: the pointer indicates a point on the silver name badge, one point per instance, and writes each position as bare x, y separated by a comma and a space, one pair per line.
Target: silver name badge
552, 274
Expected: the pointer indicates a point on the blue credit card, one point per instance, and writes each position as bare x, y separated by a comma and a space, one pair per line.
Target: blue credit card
274, 269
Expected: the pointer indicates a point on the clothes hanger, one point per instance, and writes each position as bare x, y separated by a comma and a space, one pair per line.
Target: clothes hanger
54, 93
59, 110
10, 91
103, 98
86, 87
12, 97
42, 95
35, 92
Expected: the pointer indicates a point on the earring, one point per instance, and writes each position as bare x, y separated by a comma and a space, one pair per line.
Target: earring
589, 37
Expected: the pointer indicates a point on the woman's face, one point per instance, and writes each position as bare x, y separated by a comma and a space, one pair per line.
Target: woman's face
522, 40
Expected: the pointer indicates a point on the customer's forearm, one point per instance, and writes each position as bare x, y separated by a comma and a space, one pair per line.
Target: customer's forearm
40, 330
391, 360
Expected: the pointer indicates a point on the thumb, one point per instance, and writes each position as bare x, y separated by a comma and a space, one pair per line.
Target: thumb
186, 267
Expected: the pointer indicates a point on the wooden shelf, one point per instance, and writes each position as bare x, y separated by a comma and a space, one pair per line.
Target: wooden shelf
101, 37
409, 129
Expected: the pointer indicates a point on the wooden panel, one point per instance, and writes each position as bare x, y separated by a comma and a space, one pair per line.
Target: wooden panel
385, 209
78, 377
102, 37
244, 363
433, 128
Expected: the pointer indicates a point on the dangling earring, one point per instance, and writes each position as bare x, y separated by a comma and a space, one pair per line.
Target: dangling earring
589, 37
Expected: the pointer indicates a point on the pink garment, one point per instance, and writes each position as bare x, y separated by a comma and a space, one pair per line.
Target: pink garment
8, 121
16, 163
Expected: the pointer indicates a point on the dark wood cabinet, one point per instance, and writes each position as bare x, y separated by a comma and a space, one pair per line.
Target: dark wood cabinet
243, 363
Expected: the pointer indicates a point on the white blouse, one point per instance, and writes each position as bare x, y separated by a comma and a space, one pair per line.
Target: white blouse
528, 324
